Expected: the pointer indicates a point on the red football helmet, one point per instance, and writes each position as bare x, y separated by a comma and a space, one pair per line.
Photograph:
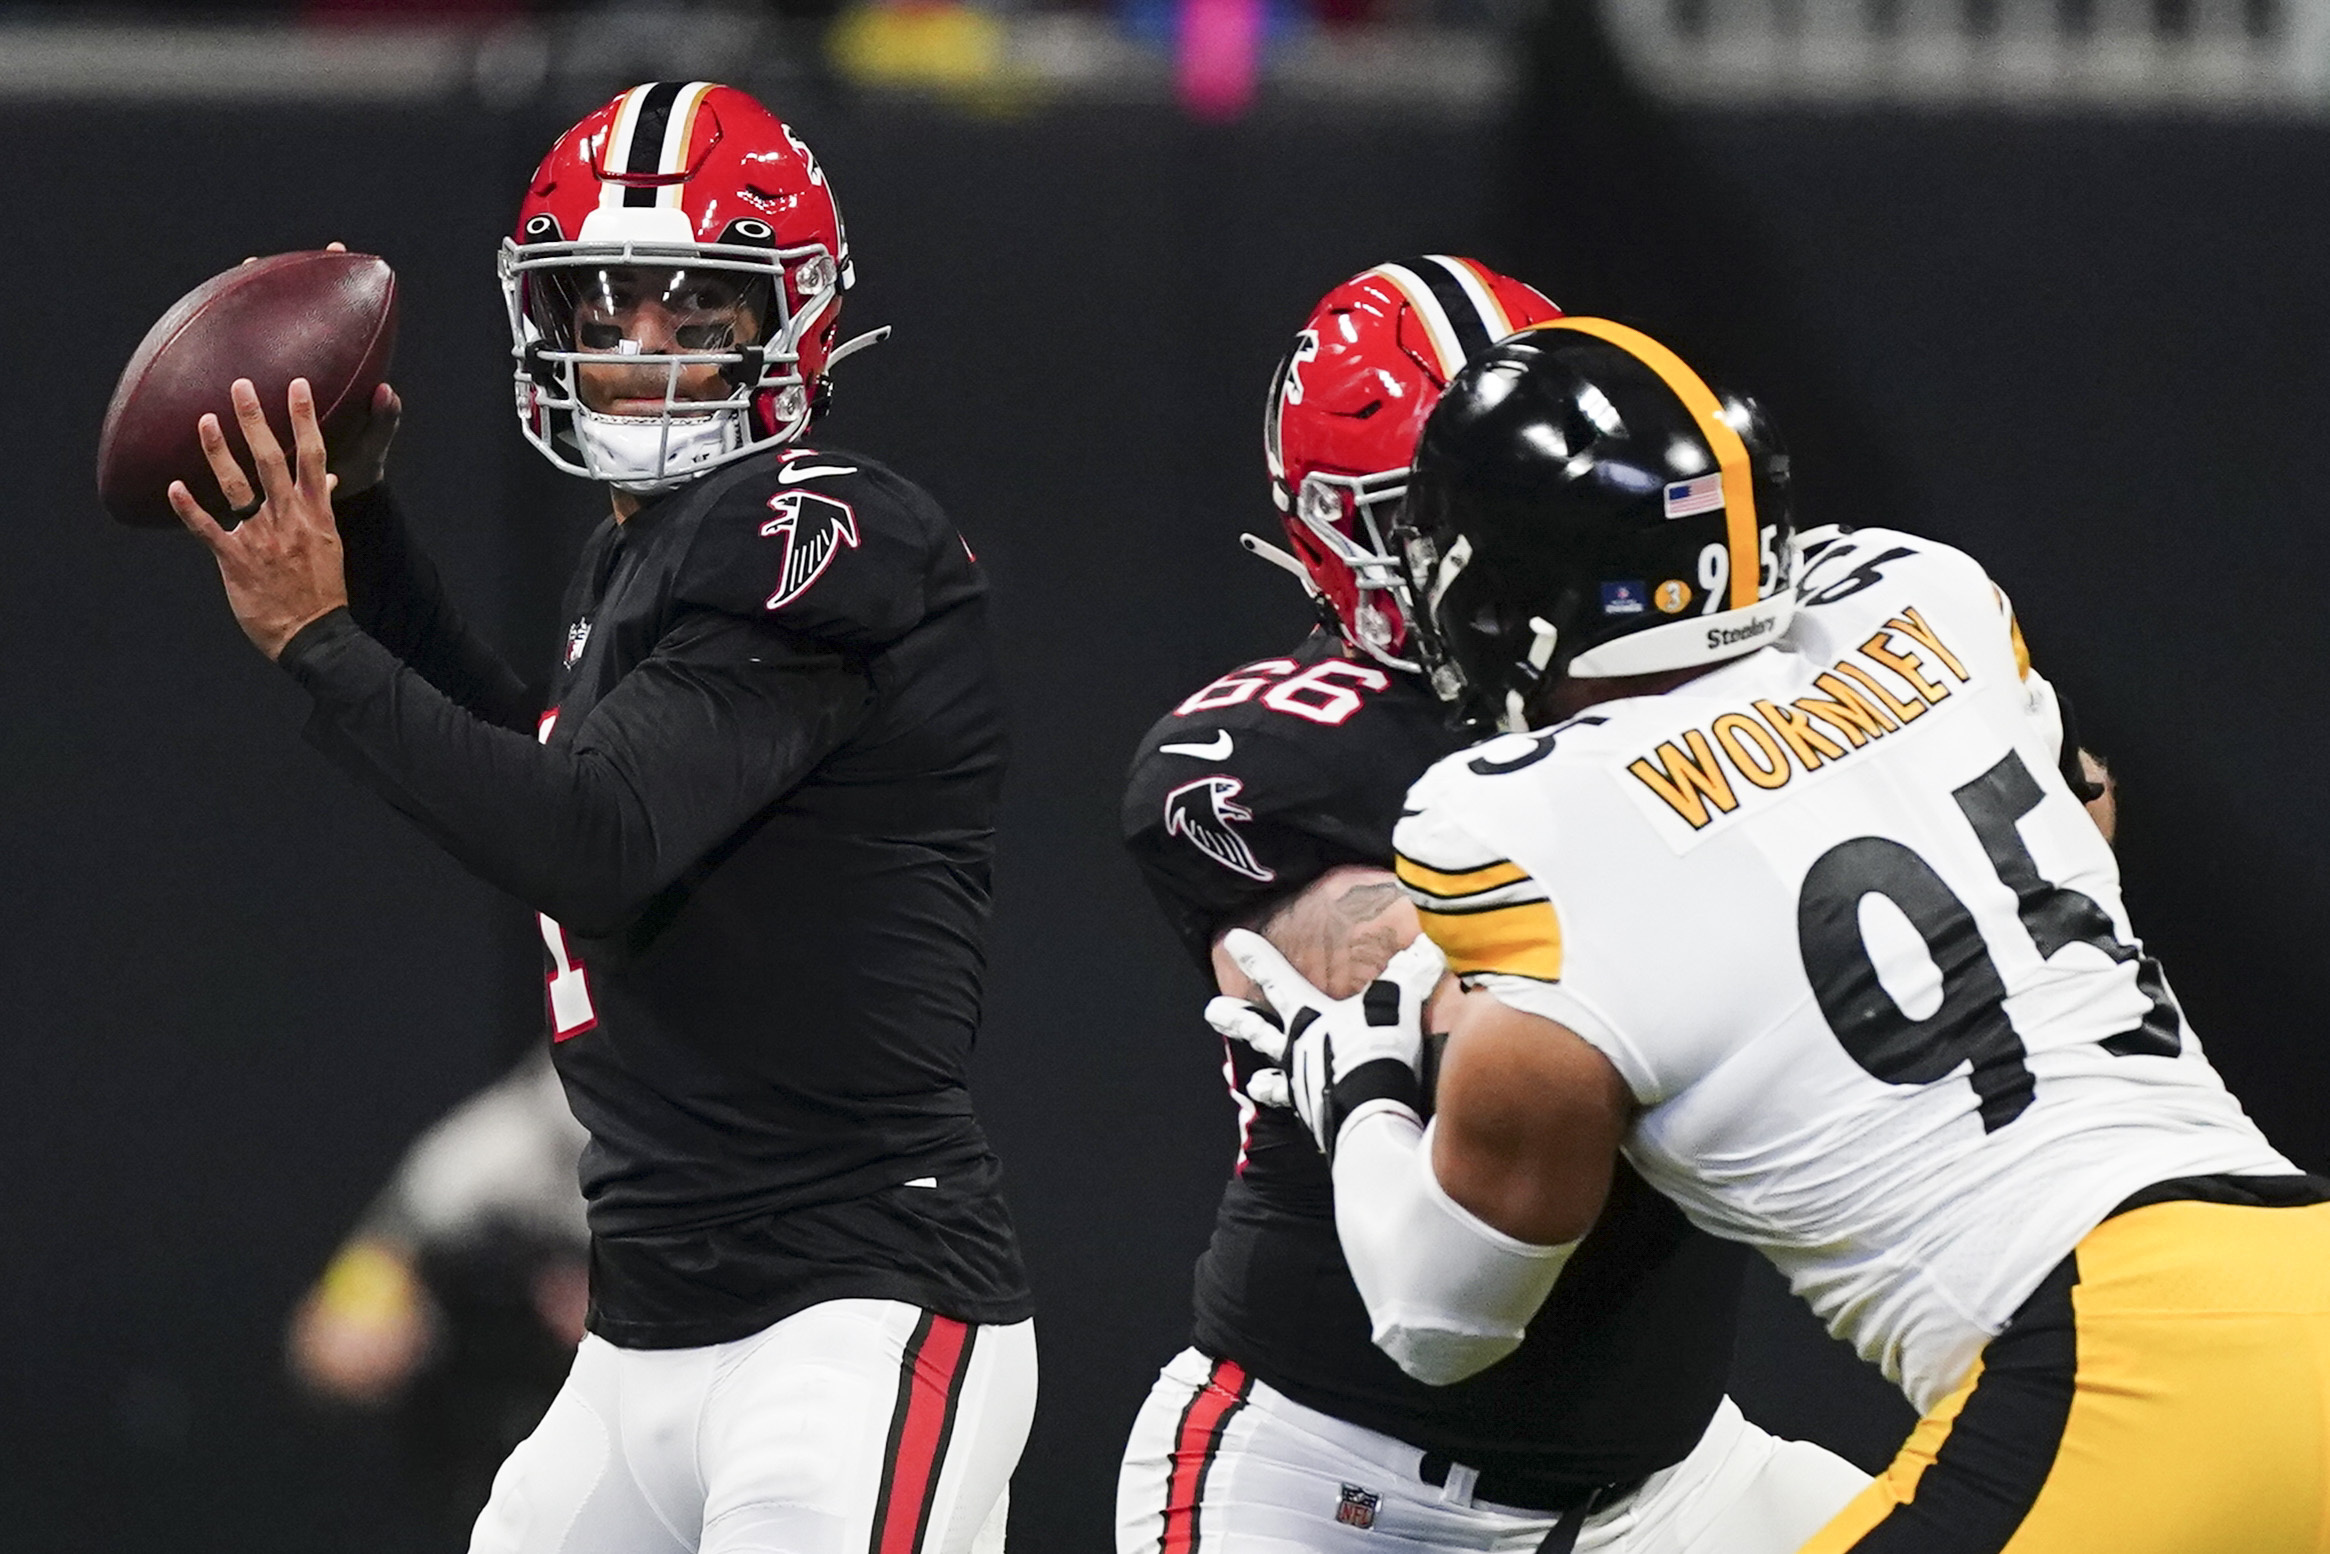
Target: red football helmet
691, 206
1346, 408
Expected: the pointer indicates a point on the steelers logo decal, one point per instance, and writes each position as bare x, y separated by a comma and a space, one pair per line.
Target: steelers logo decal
1672, 596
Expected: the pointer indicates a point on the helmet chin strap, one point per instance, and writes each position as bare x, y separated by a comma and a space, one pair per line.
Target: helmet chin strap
1542, 637
855, 344
1257, 546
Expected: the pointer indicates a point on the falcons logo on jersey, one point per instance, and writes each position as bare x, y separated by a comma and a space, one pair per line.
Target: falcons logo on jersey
1203, 812
814, 527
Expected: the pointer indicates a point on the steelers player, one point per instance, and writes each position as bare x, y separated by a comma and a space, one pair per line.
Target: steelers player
1266, 799
1773, 885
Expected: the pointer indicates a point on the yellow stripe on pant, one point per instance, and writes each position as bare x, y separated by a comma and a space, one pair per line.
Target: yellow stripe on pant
2198, 1418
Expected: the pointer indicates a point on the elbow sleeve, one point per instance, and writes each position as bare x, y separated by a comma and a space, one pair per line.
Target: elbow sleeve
1448, 1295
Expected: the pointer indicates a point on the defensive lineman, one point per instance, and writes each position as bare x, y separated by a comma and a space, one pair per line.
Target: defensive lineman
1267, 800
755, 814
1781, 893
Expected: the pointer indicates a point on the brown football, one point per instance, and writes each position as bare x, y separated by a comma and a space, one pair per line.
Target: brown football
327, 317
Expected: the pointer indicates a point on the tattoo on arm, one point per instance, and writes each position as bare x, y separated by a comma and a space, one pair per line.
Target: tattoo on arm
1344, 929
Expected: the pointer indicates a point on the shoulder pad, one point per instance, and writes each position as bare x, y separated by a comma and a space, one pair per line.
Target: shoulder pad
1429, 838
1262, 780
1312, 694
829, 545
1841, 564
1486, 912
1863, 579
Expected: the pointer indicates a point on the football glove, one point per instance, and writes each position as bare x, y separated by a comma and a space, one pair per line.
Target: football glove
1338, 1059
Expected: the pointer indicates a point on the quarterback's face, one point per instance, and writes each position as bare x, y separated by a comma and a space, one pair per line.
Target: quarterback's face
629, 311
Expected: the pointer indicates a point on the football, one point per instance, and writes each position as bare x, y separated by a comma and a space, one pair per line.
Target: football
324, 316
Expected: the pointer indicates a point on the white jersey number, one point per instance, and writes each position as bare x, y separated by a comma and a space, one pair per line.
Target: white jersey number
569, 982
1971, 1024
1313, 694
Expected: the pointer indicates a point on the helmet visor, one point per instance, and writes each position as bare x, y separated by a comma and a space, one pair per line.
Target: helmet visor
704, 316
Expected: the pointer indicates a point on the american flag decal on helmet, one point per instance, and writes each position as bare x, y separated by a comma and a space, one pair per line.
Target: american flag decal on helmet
1203, 812
814, 528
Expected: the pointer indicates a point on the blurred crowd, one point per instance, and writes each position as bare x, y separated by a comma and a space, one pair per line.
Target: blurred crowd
1136, 16
1214, 56
455, 1303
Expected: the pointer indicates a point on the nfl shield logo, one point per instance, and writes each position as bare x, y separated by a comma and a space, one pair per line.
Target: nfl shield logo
1357, 1508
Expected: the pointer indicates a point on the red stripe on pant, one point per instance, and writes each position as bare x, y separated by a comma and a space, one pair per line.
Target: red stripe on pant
930, 1383
1196, 1442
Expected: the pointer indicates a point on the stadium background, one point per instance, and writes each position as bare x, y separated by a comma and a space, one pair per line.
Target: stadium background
2078, 329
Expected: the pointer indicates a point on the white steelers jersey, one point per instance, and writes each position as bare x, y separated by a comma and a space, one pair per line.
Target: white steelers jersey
1858, 951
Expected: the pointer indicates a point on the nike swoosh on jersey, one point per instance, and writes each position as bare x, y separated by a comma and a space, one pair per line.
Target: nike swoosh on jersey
1218, 749
787, 474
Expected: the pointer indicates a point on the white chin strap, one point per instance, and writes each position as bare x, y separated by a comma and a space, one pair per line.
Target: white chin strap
646, 454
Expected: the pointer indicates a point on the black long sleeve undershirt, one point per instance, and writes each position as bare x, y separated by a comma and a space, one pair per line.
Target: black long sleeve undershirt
397, 597
722, 719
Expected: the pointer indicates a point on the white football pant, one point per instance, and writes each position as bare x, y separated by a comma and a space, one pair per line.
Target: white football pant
854, 1427
1210, 1472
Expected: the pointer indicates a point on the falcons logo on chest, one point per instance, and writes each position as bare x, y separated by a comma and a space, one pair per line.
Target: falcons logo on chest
814, 527
1204, 812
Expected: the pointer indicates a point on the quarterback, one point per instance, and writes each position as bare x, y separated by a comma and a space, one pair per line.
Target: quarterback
754, 812
1266, 800
1774, 890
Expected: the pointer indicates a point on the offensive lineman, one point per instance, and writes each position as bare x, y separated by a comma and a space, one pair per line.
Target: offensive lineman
755, 814
1781, 893
1267, 800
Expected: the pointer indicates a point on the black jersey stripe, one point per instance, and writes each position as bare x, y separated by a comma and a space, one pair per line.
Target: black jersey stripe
1442, 906
1993, 1461
647, 130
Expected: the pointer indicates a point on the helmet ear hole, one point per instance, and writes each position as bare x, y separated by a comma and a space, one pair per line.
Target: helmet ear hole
1304, 543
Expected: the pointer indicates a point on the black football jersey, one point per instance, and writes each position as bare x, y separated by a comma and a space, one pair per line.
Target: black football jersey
755, 813
1240, 798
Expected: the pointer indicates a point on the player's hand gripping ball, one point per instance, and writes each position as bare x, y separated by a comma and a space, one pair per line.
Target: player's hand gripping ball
328, 316
282, 563
1338, 1058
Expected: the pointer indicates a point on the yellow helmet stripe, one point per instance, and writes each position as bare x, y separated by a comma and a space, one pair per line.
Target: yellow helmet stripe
1731, 455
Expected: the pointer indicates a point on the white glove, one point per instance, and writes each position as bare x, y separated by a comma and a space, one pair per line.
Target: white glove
1338, 1059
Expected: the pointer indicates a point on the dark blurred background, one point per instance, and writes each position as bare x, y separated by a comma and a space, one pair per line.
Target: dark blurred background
2042, 279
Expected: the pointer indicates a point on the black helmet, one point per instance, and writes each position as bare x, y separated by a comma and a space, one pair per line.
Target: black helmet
1583, 505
